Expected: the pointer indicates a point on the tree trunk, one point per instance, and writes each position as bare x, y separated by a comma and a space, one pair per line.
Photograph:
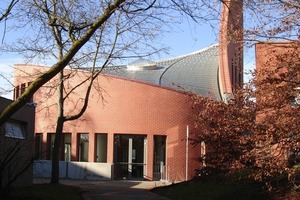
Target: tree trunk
55, 154
59, 130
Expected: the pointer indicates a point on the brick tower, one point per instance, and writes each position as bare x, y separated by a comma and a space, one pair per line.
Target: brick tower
231, 47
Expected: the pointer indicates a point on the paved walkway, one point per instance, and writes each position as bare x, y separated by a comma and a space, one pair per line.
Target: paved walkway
114, 190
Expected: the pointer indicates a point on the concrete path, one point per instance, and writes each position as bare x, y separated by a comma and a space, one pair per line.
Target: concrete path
114, 190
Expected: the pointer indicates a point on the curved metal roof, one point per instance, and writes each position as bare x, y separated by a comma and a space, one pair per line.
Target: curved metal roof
196, 72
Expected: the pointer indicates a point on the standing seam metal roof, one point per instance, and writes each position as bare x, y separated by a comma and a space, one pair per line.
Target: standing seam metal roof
196, 72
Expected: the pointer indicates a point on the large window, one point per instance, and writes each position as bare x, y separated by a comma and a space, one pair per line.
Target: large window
50, 145
101, 147
15, 129
65, 148
38, 146
83, 147
159, 168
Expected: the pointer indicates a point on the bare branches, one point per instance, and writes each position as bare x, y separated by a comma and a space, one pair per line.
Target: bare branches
92, 77
276, 20
148, 5
184, 8
61, 64
5, 13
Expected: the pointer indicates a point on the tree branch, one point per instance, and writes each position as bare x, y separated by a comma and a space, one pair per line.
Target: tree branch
60, 65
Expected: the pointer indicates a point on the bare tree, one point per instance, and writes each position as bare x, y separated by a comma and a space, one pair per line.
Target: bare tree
123, 29
64, 29
32, 16
84, 36
276, 20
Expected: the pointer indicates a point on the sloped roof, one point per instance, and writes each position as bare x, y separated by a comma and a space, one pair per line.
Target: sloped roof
196, 72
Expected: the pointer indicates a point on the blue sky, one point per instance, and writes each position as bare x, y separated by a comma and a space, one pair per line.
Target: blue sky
184, 38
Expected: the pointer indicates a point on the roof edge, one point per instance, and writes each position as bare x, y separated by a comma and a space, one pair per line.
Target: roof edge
188, 54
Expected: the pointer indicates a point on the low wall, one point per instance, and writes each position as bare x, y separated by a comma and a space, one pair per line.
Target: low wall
74, 170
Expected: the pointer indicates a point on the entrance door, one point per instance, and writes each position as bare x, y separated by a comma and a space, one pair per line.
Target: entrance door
129, 156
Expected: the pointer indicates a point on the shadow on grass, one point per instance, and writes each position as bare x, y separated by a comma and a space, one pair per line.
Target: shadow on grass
213, 189
46, 192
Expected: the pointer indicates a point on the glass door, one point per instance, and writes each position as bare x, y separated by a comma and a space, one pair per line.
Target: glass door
129, 156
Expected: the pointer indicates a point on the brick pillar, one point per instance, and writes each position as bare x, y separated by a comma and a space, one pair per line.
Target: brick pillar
110, 147
91, 147
150, 154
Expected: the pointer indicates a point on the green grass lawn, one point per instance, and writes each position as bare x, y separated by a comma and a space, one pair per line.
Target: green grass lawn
46, 192
212, 189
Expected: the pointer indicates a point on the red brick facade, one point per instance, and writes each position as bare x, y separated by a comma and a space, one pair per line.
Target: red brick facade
120, 106
231, 46
138, 111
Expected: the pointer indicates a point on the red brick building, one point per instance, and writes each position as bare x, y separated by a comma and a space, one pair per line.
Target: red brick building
139, 129
140, 115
